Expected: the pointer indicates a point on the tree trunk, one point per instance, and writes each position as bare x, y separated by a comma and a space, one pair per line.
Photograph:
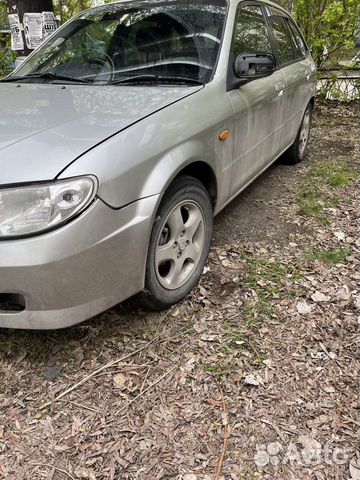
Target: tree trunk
28, 6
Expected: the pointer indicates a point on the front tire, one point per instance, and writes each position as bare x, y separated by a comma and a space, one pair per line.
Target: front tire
298, 150
179, 243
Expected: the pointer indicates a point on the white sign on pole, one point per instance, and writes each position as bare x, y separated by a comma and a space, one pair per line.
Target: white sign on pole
48, 24
17, 42
33, 29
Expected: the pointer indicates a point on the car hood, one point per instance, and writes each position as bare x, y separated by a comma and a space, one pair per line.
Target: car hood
43, 128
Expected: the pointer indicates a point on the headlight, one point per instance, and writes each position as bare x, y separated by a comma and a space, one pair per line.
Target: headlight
32, 209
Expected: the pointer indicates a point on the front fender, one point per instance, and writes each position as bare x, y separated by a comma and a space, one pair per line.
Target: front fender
142, 160
171, 164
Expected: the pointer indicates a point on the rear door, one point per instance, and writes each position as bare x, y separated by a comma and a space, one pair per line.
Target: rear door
299, 69
257, 105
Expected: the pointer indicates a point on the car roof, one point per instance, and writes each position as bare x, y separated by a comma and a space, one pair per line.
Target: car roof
230, 2
265, 2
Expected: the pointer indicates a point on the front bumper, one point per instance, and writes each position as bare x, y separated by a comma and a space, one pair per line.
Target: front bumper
79, 270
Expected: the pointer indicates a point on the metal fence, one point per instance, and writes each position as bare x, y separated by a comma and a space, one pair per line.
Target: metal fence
339, 84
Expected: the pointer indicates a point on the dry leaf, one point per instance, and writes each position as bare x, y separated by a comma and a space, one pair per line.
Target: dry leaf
311, 446
208, 338
354, 470
340, 236
319, 297
226, 263
254, 379
303, 308
82, 472
119, 380
225, 280
343, 294
318, 421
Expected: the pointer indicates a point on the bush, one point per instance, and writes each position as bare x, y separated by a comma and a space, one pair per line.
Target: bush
330, 27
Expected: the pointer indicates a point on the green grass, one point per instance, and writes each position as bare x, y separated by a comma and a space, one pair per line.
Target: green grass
321, 187
336, 174
237, 341
217, 369
271, 281
269, 271
313, 201
330, 256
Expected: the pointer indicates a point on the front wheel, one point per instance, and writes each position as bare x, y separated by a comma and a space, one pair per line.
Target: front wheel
297, 152
179, 243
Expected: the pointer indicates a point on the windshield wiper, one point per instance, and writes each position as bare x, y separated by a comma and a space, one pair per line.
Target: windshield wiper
156, 79
45, 76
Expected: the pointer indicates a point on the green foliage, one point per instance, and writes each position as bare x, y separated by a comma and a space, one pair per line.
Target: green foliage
68, 9
7, 57
329, 26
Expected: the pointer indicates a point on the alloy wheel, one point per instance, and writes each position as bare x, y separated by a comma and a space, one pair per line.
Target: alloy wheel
304, 133
180, 245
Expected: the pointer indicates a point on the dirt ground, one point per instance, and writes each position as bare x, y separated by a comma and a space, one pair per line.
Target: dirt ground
253, 376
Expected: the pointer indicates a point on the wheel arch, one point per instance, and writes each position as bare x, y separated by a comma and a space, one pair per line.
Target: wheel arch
193, 159
205, 174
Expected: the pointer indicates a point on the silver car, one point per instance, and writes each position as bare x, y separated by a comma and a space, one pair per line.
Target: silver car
124, 134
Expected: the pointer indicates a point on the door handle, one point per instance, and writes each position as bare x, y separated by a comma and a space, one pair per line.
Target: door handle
308, 75
279, 87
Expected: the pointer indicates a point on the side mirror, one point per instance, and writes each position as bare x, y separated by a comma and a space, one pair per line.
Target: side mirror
249, 66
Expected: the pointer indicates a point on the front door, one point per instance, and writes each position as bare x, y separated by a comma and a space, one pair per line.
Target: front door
257, 105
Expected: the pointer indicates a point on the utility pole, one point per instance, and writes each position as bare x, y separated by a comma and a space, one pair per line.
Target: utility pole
31, 21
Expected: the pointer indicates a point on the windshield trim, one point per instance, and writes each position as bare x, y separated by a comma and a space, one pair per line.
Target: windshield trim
221, 41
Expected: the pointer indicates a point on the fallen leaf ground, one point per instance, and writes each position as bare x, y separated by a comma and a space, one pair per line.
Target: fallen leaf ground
253, 376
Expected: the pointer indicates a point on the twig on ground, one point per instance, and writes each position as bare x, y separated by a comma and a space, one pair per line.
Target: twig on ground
146, 376
146, 389
275, 427
85, 407
226, 433
96, 372
60, 470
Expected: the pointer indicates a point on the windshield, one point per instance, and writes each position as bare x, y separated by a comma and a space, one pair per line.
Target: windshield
146, 39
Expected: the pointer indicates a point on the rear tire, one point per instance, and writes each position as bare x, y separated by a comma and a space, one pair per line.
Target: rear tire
298, 150
179, 244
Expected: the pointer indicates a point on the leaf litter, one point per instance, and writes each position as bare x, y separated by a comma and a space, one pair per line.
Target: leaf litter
263, 354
